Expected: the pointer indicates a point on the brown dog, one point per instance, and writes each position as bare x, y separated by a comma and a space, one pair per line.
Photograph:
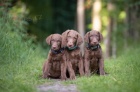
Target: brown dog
71, 41
93, 59
55, 66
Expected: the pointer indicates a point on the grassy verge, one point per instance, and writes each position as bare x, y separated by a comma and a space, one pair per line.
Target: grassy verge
20, 60
123, 75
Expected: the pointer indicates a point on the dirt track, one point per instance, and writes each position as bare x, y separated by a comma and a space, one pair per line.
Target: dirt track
57, 86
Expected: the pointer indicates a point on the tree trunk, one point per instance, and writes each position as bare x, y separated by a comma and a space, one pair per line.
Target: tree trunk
135, 23
132, 23
80, 20
96, 21
114, 44
110, 28
108, 38
126, 32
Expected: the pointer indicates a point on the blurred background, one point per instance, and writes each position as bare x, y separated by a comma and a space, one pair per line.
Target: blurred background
25, 24
117, 20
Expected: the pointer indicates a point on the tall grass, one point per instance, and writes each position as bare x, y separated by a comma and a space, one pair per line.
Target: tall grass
20, 61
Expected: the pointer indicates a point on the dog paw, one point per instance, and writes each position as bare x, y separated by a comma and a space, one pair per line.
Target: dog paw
44, 76
87, 74
72, 77
82, 74
64, 78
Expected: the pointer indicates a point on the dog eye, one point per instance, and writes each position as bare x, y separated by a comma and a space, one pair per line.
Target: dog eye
52, 40
69, 37
91, 37
96, 35
75, 38
58, 41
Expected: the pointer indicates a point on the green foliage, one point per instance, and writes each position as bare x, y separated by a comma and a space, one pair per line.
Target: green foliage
20, 61
51, 16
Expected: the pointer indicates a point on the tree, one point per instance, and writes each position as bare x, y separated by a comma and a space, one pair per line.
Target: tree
80, 19
110, 27
96, 21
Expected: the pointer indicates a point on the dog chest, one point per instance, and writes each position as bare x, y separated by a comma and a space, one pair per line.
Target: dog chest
94, 54
56, 66
94, 61
56, 58
94, 58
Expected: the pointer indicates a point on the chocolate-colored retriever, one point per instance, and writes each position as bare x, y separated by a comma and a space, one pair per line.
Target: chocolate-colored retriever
93, 58
71, 41
55, 65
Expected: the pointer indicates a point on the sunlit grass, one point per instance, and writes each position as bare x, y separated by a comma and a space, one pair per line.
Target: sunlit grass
123, 75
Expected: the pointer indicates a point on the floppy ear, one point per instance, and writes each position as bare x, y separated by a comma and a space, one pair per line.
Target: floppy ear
61, 41
79, 40
64, 38
86, 37
100, 37
48, 40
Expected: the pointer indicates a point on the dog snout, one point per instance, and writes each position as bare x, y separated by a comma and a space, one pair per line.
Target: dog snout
95, 42
54, 46
70, 44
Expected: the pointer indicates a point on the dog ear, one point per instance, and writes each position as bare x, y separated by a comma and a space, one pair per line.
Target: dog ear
61, 41
79, 39
64, 38
48, 40
86, 37
100, 37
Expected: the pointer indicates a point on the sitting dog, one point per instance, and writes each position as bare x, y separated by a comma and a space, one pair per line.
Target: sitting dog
55, 65
93, 58
71, 41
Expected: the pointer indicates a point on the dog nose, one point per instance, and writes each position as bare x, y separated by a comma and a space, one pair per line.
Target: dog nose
94, 42
54, 47
70, 45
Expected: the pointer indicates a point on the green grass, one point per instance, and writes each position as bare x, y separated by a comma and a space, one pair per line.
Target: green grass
124, 73
20, 61
21, 65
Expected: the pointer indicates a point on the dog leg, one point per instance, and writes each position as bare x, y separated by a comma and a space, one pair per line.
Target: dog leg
87, 71
71, 71
101, 67
46, 69
63, 71
80, 65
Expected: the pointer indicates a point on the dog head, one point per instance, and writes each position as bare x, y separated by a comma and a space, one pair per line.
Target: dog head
93, 37
55, 41
71, 38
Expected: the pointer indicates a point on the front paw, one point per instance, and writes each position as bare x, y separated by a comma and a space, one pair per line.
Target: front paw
45, 76
102, 74
72, 77
64, 78
87, 74
82, 74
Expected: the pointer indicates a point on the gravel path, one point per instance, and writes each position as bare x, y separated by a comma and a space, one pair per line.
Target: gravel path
57, 86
